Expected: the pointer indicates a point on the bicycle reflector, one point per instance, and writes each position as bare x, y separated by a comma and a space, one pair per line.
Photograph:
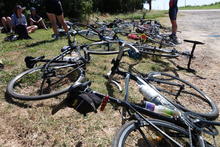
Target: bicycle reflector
104, 102
133, 54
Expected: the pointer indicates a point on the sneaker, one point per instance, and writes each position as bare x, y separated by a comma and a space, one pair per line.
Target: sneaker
62, 33
55, 36
175, 40
1, 64
172, 36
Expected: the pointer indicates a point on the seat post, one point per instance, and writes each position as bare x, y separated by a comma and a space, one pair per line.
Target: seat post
189, 69
190, 58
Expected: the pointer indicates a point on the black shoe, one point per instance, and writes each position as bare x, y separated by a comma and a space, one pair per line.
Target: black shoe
55, 36
175, 40
172, 36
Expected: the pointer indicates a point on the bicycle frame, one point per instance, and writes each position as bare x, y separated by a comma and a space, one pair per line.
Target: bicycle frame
126, 105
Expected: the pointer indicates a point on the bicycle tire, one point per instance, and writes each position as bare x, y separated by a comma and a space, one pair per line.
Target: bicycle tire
33, 78
132, 130
191, 98
87, 32
155, 51
104, 48
164, 43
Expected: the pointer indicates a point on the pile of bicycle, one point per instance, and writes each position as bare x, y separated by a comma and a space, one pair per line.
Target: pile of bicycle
173, 112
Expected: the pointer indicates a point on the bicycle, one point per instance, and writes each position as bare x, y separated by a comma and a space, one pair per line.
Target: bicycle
160, 82
51, 79
182, 130
178, 134
55, 76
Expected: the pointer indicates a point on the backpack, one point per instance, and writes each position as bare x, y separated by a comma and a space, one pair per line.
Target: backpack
22, 32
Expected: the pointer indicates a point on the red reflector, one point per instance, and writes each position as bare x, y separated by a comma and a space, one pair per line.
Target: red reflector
104, 102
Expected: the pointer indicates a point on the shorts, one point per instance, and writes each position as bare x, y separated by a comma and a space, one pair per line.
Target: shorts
54, 6
173, 14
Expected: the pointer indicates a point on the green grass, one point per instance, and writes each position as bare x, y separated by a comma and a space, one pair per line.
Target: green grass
211, 6
138, 15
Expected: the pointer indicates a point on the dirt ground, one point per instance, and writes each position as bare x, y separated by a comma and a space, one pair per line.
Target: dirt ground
203, 26
25, 125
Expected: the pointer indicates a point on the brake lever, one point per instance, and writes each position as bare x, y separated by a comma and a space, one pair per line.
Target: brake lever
116, 84
111, 80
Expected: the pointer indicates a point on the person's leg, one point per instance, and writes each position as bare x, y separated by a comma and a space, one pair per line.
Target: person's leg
174, 27
8, 19
4, 23
31, 23
173, 15
53, 21
42, 24
60, 18
32, 28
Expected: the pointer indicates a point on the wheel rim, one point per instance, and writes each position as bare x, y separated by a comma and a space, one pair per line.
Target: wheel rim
30, 85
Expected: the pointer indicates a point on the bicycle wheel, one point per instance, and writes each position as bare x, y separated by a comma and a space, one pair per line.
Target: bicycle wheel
38, 83
104, 48
161, 42
155, 51
138, 134
87, 32
184, 95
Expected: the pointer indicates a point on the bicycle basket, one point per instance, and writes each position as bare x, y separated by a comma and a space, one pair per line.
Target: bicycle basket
84, 102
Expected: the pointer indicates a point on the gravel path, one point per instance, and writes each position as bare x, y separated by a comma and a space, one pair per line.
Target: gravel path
203, 25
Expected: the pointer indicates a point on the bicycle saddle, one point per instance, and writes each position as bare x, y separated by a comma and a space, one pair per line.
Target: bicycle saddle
193, 41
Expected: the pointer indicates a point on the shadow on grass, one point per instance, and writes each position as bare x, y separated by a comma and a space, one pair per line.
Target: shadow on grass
40, 42
166, 66
21, 104
10, 100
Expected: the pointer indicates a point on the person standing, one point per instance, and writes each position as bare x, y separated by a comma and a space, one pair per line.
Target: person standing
150, 4
173, 10
55, 12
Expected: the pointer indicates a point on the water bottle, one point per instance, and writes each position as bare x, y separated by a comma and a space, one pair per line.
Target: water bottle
161, 109
153, 95
149, 106
148, 92
166, 111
